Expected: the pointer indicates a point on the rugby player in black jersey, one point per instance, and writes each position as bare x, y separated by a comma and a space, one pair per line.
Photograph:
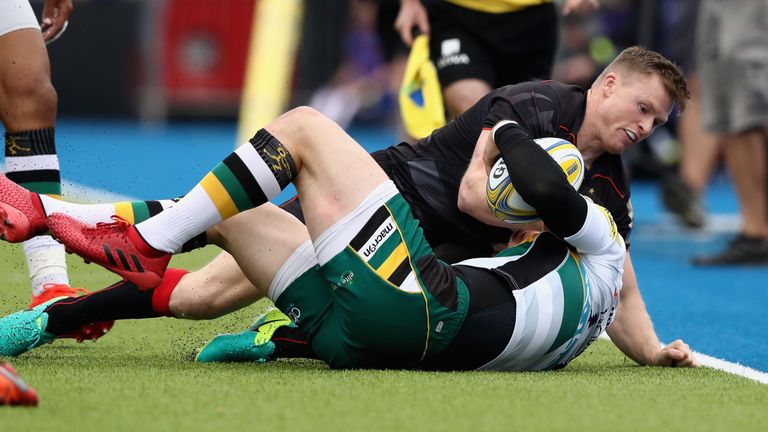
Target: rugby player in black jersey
442, 177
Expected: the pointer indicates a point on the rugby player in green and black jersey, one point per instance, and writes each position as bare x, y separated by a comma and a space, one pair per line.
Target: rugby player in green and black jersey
443, 178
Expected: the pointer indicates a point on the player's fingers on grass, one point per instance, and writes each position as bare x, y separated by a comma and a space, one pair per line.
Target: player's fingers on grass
681, 354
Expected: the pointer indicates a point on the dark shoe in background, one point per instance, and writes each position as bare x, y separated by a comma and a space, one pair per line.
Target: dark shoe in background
678, 198
742, 250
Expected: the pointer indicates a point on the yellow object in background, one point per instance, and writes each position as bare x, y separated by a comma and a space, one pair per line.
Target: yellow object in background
269, 70
421, 98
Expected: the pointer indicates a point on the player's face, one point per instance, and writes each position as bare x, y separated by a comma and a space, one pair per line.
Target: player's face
634, 105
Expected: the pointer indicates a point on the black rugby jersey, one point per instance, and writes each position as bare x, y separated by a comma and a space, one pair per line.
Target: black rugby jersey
429, 173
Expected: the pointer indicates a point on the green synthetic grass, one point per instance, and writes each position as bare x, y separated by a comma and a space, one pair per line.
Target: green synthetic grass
139, 378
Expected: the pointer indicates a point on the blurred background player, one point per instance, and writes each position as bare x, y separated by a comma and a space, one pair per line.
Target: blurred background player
732, 54
685, 156
480, 45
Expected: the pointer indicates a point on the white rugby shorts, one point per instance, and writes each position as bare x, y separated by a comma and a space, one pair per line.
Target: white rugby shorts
16, 15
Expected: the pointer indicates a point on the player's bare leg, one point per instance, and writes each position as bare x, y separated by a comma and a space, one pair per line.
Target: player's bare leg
222, 286
463, 94
746, 160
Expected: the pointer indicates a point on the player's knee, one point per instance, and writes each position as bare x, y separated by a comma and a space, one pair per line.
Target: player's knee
222, 233
302, 114
296, 125
217, 234
37, 91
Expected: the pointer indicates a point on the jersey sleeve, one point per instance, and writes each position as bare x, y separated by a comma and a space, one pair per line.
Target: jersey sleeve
599, 234
624, 216
606, 183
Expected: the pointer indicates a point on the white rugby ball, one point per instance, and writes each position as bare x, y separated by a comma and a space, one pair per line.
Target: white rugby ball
507, 204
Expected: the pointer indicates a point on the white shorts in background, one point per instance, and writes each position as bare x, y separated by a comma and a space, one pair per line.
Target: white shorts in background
16, 15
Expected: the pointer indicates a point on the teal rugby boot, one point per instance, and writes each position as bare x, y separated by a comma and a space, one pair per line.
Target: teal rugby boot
25, 330
252, 345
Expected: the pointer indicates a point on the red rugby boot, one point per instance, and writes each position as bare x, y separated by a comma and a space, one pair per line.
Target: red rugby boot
21, 213
13, 389
90, 331
116, 246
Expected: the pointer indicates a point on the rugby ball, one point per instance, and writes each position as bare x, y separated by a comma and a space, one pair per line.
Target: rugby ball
507, 204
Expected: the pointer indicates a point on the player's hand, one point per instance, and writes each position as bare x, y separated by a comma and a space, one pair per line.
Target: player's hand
412, 14
491, 152
580, 6
55, 18
676, 354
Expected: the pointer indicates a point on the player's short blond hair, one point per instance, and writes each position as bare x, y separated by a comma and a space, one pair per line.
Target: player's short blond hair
644, 61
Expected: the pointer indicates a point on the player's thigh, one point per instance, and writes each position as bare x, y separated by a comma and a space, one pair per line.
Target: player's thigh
24, 55
335, 172
261, 240
25, 81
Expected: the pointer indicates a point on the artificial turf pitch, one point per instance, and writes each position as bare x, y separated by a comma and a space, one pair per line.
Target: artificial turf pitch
139, 378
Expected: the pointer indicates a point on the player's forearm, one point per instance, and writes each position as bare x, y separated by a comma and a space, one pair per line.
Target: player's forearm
632, 330
472, 199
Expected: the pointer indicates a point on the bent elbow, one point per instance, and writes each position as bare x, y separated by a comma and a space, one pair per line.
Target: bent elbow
463, 200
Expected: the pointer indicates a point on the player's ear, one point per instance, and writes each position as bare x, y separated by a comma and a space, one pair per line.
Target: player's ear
609, 82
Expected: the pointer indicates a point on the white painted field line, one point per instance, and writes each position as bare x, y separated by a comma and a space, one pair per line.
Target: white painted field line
732, 368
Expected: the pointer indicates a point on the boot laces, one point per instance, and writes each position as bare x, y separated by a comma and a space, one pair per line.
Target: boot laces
118, 228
